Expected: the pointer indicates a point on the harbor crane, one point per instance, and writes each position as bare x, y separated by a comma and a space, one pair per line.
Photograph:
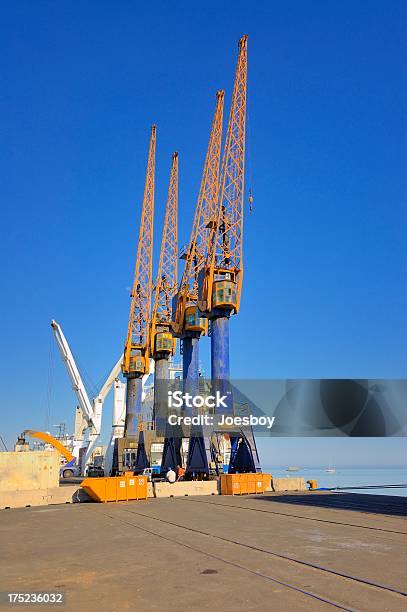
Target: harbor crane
92, 409
136, 350
136, 356
162, 341
220, 278
189, 324
161, 344
223, 270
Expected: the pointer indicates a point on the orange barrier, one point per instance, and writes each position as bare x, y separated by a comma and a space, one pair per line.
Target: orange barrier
267, 478
118, 488
230, 484
243, 484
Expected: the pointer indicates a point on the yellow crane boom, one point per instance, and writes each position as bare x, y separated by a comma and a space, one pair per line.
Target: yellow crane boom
136, 349
187, 315
224, 265
161, 340
45, 437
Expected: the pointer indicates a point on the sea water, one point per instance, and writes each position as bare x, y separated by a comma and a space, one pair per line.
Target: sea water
350, 477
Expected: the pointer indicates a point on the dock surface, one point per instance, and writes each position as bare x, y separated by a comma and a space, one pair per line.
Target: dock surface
311, 551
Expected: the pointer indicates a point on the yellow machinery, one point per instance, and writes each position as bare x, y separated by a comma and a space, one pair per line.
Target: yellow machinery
188, 323
224, 294
194, 321
162, 344
187, 315
162, 341
45, 437
220, 279
224, 262
136, 357
68, 469
136, 349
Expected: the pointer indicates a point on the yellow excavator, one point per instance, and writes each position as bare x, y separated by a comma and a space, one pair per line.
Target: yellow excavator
70, 468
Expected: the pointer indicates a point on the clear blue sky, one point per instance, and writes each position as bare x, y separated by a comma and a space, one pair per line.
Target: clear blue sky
325, 250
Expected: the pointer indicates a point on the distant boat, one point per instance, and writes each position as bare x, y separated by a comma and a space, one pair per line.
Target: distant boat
293, 468
330, 469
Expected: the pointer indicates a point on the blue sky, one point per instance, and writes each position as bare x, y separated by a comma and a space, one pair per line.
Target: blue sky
325, 249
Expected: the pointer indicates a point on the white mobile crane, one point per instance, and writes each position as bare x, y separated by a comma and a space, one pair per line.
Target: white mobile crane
92, 410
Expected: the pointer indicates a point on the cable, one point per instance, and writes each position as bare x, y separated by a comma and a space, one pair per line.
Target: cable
4, 444
249, 153
49, 393
88, 382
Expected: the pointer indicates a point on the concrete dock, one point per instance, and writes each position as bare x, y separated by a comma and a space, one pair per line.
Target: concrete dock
304, 551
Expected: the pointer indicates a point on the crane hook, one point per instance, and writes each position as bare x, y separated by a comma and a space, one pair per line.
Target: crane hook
250, 201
